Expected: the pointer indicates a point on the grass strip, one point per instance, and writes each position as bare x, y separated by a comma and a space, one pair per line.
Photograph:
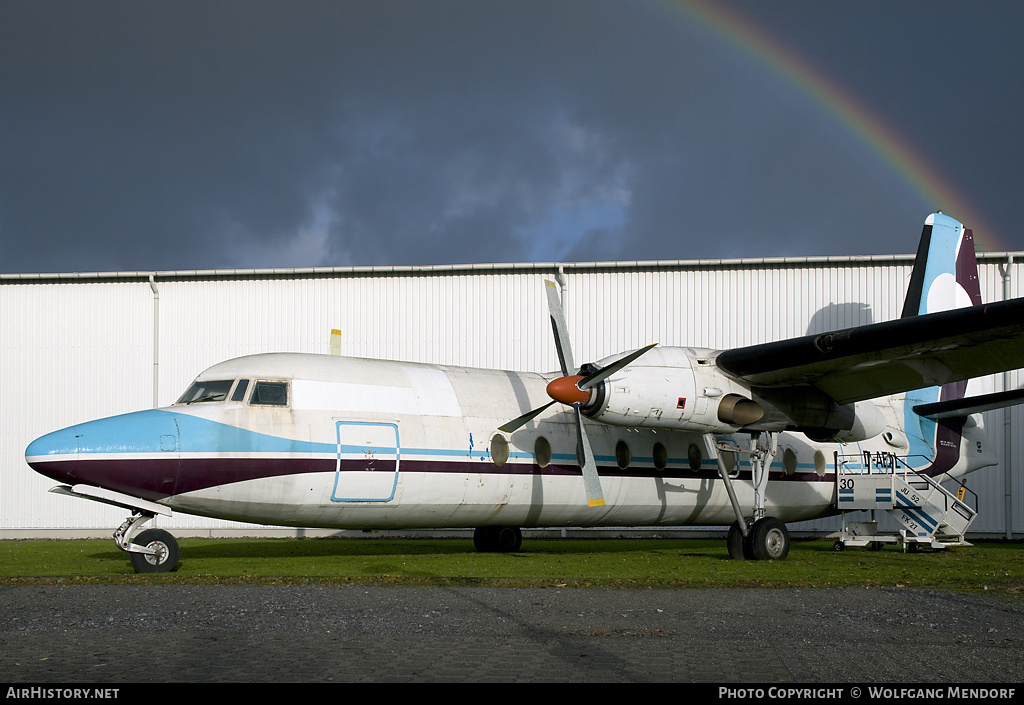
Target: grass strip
601, 563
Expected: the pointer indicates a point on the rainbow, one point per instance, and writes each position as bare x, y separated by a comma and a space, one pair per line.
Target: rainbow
910, 167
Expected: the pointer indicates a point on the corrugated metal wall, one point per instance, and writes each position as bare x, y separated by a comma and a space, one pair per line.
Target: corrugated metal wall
78, 347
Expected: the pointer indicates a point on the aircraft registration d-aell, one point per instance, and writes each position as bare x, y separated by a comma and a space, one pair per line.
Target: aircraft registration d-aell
750, 438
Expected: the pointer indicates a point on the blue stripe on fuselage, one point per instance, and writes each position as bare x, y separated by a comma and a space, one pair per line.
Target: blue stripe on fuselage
149, 432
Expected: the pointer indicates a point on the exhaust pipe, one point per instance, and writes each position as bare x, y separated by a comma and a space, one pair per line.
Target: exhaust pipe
739, 411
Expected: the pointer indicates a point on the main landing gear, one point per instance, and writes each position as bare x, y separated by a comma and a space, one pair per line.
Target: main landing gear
766, 540
760, 537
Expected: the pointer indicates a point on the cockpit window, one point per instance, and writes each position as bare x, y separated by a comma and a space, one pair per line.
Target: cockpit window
207, 390
273, 393
239, 393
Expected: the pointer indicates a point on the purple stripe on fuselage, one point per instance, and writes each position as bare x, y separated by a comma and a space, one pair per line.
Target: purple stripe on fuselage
155, 479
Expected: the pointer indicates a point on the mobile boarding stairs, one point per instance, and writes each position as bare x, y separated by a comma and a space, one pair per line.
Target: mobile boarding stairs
927, 513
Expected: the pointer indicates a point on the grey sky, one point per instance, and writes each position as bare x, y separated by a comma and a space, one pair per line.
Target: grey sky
183, 135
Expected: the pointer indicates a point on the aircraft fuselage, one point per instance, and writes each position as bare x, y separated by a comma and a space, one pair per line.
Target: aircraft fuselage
347, 443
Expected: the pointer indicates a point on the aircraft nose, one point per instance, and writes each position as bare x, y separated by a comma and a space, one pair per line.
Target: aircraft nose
133, 453
55, 454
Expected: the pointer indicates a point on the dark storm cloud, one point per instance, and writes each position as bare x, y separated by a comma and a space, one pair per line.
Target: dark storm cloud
190, 136
261, 134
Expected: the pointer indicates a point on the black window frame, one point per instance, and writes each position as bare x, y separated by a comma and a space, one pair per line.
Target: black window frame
257, 399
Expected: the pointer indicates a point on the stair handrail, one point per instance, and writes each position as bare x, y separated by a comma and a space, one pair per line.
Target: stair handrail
964, 488
868, 462
936, 483
873, 462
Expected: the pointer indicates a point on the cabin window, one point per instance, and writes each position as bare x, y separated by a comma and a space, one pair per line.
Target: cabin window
622, 455
819, 463
694, 457
240, 389
270, 393
789, 461
206, 391
542, 452
660, 456
499, 450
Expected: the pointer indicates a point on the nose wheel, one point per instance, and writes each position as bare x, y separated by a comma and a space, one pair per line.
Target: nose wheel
161, 552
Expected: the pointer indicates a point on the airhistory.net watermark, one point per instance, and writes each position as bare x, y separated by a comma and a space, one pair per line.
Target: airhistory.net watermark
48, 693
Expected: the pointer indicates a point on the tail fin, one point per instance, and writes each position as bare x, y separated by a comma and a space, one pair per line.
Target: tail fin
945, 272
945, 277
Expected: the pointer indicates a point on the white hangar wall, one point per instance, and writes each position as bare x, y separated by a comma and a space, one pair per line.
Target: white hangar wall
75, 347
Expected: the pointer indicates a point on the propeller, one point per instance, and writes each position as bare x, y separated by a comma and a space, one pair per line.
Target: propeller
574, 390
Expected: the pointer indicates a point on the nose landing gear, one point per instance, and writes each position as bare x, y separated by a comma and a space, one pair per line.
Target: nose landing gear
152, 550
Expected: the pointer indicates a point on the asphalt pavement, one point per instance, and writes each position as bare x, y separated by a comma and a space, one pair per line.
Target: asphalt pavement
76, 634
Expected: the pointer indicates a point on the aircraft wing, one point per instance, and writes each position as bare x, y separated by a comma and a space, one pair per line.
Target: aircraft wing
892, 357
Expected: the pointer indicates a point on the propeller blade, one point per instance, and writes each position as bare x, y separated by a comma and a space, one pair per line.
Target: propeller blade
526, 418
570, 390
558, 327
602, 374
588, 466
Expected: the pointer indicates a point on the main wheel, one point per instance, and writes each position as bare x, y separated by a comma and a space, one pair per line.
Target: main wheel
497, 539
166, 547
484, 538
739, 547
509, 539
769, 539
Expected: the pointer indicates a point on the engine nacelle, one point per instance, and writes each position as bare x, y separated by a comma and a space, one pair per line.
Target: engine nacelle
849, 424
673, 388
682, 389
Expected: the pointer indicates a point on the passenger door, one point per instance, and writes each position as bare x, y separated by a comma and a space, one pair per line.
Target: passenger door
368, 459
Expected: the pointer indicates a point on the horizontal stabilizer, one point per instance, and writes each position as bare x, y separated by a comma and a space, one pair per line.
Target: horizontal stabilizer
957, 408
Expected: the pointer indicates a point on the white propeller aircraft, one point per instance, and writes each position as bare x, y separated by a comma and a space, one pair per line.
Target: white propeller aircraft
648, 438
